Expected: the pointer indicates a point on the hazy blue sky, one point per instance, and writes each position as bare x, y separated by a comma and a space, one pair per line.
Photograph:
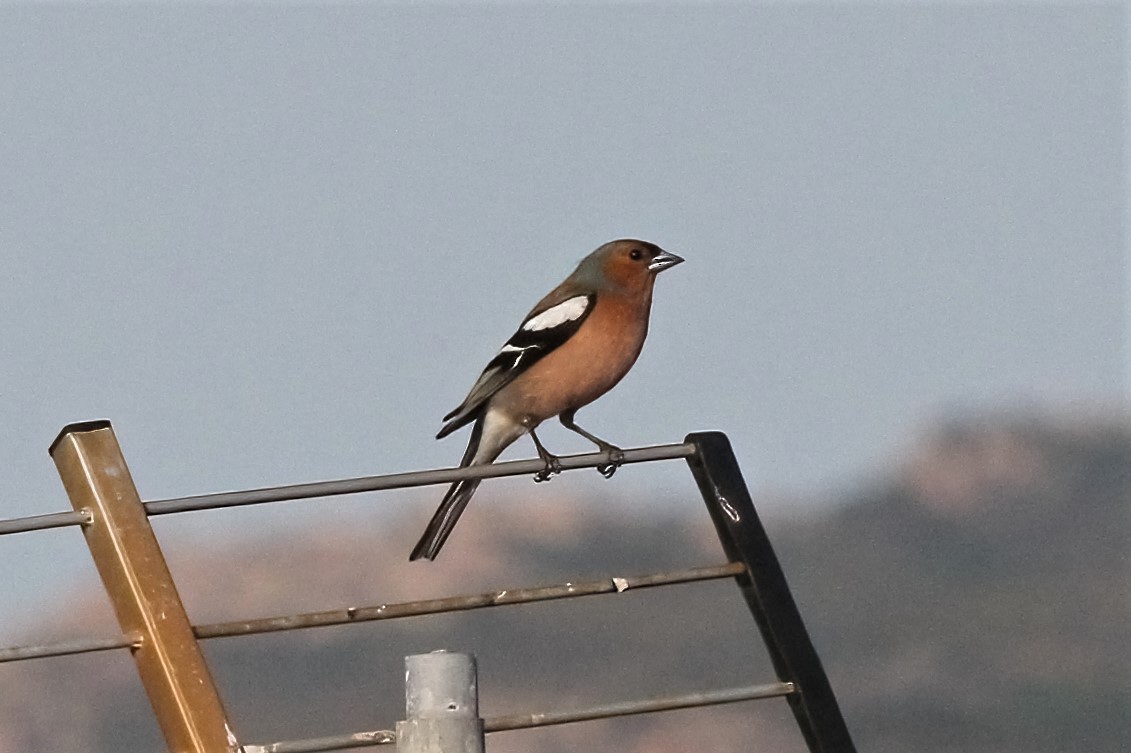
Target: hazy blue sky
278, 244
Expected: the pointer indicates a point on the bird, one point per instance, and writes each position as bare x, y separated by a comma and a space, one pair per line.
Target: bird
572, 348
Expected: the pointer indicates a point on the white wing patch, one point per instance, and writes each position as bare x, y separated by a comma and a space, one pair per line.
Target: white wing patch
520, 352
555, 316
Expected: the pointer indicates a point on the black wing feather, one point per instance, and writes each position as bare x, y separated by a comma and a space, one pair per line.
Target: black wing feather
524, 349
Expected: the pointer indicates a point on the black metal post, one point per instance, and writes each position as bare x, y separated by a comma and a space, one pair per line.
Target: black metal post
767, 593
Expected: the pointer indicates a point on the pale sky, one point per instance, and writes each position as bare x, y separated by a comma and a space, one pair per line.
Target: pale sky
276, 245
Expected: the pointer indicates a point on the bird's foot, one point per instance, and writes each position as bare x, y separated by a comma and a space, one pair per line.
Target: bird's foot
616, 459
553, 467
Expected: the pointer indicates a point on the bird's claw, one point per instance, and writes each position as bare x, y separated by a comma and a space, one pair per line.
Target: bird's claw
553, 467
616, 459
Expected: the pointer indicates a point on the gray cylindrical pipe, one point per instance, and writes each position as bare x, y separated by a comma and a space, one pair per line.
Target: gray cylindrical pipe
441, 705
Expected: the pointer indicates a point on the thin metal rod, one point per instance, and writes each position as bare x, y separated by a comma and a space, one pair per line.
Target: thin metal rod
404, 480
628, 708
345, 486
462, 603
336, 742
81, 646
391, 611
51, 520
544, 719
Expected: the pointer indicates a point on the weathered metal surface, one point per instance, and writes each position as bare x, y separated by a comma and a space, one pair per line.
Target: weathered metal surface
404, 480
41, 522
461, 603
767, 594
545, 718
648, 706
67, 648
441, 705
136, 578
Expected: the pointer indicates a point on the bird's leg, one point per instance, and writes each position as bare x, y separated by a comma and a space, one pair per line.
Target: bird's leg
616, 454
553, 465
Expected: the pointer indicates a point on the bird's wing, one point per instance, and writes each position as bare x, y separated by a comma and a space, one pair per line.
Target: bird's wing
550, 324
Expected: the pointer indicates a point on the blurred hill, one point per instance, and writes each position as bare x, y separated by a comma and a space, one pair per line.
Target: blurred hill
975, 600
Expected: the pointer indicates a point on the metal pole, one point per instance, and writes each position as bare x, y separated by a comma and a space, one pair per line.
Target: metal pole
441, 705
136, 578
767, 594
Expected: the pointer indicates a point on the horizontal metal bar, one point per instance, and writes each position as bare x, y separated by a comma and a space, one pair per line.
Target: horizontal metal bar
51, 520
391, 611
317, 744
543, 719
348, 486
462, 603
404, 480
82, 646
628, 708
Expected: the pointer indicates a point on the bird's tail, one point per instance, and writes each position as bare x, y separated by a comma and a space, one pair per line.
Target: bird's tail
445, 519
453, 504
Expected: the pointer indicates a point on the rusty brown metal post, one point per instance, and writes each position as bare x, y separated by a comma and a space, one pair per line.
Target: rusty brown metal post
133, 570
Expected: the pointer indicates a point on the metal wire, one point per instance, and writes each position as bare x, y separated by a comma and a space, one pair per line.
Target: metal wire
393, 611
81, 646
724, 491
384, 611
405, 480
337, 742
51, 520
628, 708
544, 719
350, 486
462, 603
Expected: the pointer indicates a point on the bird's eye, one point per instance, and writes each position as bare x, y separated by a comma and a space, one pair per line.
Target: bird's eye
636, 254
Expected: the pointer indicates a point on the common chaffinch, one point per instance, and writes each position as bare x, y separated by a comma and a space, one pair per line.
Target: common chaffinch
573, 347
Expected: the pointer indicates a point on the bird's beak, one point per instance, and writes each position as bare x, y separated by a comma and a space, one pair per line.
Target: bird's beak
663, 260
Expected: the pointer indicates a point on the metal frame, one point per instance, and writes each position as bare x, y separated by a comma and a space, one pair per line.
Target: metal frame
767, 594
176, 678
145, 599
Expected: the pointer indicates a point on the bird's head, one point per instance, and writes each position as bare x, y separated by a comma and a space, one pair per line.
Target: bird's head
626, 263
